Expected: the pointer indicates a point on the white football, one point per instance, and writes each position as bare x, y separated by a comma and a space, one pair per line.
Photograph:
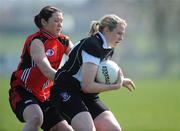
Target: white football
107, 72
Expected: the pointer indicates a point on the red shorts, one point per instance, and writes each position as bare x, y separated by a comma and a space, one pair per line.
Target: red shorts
20, 98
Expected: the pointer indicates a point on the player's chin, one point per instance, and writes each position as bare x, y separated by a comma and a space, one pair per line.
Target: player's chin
57, 33
116, 43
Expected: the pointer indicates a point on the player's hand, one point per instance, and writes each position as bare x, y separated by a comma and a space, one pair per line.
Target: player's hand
129, 84
119, 82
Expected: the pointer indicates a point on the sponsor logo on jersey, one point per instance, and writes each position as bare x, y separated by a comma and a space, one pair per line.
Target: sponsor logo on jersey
50, 52
65, 96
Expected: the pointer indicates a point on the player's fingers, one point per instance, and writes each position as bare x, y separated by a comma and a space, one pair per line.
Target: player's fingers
128, 87
133, 85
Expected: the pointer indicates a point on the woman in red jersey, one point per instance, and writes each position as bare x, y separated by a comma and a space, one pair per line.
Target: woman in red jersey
32, 81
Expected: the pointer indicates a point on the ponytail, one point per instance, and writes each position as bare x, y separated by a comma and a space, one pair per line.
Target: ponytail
37, 21
94, 28
109, 21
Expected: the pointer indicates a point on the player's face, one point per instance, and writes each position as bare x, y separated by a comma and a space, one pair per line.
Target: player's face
54, 24
116, 35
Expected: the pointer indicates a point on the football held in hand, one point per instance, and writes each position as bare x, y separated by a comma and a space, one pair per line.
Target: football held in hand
107, 72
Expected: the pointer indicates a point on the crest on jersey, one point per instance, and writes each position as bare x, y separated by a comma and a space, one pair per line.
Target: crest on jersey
50, 52
65, 96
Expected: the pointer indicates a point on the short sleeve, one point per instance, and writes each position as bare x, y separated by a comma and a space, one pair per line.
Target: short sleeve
92, 47
89, 58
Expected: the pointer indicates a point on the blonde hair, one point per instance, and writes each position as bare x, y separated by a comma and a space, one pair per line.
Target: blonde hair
109, 21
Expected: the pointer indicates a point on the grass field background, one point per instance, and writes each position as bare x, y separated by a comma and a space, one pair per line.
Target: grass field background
153, 106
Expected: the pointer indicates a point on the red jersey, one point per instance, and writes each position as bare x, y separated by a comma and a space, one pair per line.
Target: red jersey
28, 75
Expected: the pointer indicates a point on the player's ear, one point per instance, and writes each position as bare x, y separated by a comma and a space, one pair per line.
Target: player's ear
106, 29
43, 22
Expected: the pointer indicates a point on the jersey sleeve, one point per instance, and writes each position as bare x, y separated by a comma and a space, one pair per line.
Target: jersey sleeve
92, 47
89, 58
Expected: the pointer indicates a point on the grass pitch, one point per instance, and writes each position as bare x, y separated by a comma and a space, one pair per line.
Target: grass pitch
153, 106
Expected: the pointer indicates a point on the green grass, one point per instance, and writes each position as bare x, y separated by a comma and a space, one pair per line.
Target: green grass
153, 106
8, 120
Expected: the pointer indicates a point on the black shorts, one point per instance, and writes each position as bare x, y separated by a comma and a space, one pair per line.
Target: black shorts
72, 102
20, 98
94, 104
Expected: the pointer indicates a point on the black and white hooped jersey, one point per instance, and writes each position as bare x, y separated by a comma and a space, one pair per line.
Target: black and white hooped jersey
93, 47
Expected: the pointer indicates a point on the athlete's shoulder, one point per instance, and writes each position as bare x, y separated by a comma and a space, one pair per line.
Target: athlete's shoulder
63, 36
64, 39
92, 46
36, 35
31, 36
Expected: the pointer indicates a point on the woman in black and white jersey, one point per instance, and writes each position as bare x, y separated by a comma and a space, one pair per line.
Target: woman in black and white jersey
75, 90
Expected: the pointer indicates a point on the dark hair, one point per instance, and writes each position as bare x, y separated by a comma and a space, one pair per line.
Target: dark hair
45, 14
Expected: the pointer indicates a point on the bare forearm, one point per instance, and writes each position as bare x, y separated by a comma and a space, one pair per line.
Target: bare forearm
46, 68
98, 87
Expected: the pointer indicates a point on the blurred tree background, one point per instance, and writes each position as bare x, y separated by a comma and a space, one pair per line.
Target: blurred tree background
150, 47
149, 54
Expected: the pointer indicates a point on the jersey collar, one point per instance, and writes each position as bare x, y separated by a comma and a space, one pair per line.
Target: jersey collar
48, 34
105, 44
